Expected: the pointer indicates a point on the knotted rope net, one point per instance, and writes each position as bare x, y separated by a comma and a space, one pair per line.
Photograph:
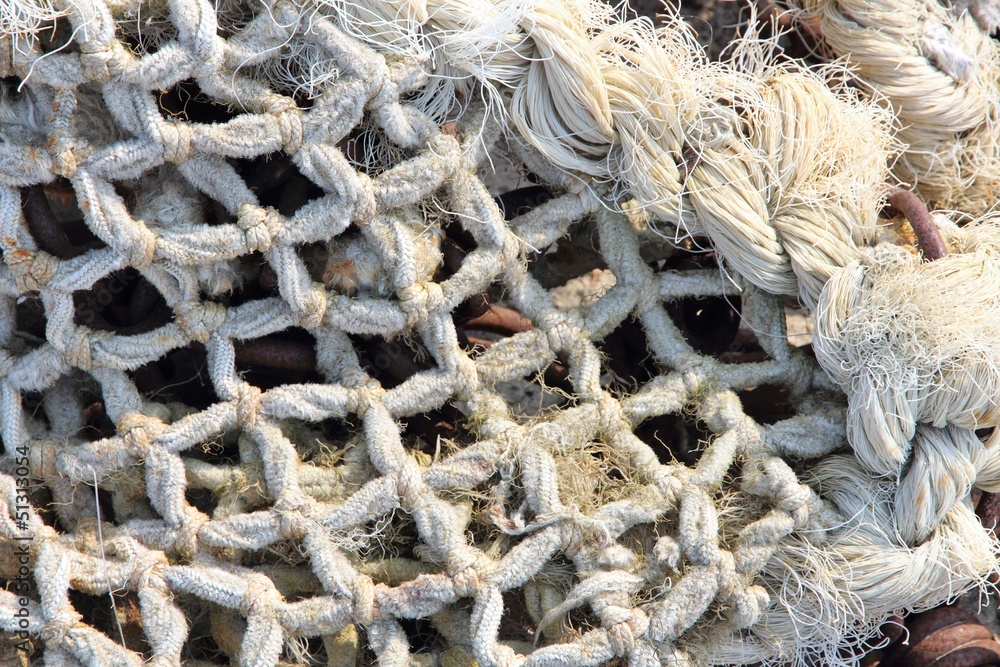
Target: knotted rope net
302, 522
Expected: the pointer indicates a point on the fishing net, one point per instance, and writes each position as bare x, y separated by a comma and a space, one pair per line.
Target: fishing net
250, 414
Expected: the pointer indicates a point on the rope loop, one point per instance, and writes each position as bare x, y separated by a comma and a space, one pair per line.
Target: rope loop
419, 299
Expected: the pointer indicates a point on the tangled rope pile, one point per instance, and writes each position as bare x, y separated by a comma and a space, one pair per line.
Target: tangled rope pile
777, 545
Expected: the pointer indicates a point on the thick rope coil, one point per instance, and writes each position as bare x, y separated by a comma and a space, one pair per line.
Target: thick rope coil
914, 342
945, 465
938, 72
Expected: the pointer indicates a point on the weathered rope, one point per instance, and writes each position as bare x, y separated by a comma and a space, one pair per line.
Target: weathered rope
940, 74
786, 178
572, 512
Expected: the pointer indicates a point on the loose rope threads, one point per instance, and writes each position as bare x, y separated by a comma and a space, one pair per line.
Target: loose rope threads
669, 563
940, 74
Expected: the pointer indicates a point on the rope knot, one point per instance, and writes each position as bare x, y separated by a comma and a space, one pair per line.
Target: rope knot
293, 509
101, 65
289, 119
365, 200
418, 299
141, 253
139, 431
621, 638
275, 104
366, 395
558, 332
571, 537
198, 319
149, 568
623, 625
722, 411
290, 126
77, 348
31, 269
55, 630
466, 583
63, 158
175, 141
668, 483
610, 413
260, 226
749, 603
314, 308
247, 403
638, 621
132, 421
794, 499
466, 378
388, 91
186, 542
363, 610
261, 597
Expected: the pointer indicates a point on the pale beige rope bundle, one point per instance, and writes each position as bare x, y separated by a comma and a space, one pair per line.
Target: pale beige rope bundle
946, 464
940, 74
664, 568
915, 342
914, 345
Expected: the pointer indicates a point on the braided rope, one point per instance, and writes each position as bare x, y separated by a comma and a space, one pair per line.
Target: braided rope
664, 562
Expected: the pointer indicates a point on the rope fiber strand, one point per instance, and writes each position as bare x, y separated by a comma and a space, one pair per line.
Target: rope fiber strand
306, 186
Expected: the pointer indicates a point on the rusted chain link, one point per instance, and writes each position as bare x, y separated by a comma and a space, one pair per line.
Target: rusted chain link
943, 637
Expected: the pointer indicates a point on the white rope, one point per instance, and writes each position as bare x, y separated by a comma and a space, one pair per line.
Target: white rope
310, 536
938, 72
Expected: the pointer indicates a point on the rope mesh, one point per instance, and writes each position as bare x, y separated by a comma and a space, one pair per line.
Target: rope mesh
294, 546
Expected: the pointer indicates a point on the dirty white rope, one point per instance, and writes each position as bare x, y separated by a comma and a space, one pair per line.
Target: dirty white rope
663, 562
940, 73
